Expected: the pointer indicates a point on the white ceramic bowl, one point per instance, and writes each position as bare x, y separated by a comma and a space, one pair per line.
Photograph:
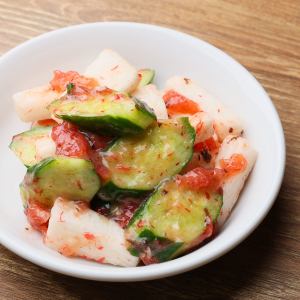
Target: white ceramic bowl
169, 53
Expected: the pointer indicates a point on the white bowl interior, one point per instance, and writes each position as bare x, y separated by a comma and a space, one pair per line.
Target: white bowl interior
169, 53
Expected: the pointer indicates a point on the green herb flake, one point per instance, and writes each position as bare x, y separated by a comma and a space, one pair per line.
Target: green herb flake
70, 87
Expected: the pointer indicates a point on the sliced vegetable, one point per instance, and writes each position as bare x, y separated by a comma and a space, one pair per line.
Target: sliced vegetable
150, 95
176, 217
236, 157
33, 145
203, 125
43, 123
38, 216
178, 104
113, 71
138, 164
77, 231
72, 178
31, 105
70, 141
146, 76
114, 113
225, 122
72, 82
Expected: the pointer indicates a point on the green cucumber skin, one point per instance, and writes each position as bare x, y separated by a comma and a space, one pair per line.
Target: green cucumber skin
143, 107
169, 252
141, 234
111, 189
18, 145
148, 239
138, 118
44, 182
110, 192
106, 125
147, 77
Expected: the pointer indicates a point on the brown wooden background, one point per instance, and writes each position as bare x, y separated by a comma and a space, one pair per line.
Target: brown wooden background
264, 35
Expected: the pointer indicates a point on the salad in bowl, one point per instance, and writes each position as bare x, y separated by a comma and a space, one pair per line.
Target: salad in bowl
122, 173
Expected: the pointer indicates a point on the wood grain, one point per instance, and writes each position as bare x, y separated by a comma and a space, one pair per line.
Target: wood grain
264, 35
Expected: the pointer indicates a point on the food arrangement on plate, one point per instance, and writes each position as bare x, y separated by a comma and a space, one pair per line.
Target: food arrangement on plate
122, 173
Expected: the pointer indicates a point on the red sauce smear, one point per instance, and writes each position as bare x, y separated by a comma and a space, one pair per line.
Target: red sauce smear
201, 178
80, 85
70, 141
126, 210
97, 142
97, 161
38, 216
178, 104
149, 260
235, 164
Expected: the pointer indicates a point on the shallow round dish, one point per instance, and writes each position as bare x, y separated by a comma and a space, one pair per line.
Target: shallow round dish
170, 53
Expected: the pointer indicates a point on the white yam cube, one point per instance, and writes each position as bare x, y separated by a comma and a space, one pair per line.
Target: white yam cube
113, 71
76, 230
153, 98
225, 122
233, 184
31, 105
203, 125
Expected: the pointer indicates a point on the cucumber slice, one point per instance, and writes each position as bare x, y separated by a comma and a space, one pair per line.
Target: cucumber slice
172, 220
146, 77
70, 178
113, 114
26, 145
138, 164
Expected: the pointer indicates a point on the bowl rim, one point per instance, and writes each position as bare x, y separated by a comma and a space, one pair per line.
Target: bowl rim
189, 261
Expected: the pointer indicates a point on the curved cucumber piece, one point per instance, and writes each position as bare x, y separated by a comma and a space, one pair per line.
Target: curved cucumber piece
172, 220
70, 178
113, 114
146, 77
138, 164
26, 145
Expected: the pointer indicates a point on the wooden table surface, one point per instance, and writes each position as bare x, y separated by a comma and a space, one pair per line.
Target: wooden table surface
263, 35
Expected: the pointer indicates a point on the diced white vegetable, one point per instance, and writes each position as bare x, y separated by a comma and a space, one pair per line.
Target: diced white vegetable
225, 122
45, 147
203, 125
31, 105
233, 185
113, 71
76, 230
153, 98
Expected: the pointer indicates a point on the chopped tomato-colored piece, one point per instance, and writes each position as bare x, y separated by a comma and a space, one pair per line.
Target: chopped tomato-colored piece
38, 216
209, 145
70, 141
47, 122
75, 83
201, 178
235, 164
178, 104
